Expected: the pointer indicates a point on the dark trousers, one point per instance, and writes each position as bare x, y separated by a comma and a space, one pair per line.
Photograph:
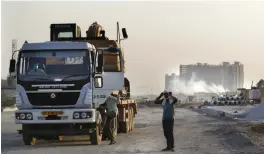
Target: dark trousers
108, 124
168, 132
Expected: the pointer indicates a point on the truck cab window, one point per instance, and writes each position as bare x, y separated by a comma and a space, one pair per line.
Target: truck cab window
64, 34
64, 63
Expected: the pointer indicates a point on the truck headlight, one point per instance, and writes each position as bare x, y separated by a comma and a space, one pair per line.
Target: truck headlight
29, 116
82, 115
76, 115
24, 116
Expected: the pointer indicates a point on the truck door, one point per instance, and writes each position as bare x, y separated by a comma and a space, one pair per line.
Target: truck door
107, 76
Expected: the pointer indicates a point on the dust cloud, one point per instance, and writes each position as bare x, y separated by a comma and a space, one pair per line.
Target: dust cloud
195, 86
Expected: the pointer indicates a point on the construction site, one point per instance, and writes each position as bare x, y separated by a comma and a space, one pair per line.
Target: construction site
243, 104
72, 92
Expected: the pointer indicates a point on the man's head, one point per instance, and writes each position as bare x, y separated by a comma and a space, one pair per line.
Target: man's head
166, 93
170, 93
114, 94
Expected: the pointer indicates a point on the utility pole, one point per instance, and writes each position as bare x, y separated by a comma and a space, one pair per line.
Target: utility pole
14, 45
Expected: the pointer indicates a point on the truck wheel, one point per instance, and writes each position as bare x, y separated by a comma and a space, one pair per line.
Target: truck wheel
96, 136
132, 119
28, 139
125, 126
59, 138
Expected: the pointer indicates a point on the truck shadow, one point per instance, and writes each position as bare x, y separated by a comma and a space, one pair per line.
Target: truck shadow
14, 142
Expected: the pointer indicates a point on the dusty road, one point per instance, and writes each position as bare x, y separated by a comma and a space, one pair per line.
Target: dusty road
194, 134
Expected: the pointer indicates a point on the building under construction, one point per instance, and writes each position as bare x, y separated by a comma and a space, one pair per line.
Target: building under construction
230, 76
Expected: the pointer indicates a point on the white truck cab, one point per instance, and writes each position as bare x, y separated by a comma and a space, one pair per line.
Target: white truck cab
60, 85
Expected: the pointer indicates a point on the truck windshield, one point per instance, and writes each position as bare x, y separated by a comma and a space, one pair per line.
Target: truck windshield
51, 64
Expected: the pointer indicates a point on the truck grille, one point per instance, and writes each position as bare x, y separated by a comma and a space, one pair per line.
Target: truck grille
44, 99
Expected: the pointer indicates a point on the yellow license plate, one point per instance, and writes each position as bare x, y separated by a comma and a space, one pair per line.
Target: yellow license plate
52, 113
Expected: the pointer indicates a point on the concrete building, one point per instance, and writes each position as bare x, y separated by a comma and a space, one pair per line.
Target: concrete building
169, 79
230, 76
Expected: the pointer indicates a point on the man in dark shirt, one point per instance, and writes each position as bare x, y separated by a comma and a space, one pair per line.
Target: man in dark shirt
168, 119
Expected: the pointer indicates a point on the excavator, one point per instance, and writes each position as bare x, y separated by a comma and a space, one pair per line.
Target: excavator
96, 36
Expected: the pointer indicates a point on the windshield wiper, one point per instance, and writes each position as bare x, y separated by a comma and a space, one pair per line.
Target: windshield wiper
73, 76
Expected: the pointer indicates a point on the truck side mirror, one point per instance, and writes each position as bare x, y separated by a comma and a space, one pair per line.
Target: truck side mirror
12, 65
124, 33
98, 82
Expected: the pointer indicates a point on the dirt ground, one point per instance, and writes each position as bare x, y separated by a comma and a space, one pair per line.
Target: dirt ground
195, 133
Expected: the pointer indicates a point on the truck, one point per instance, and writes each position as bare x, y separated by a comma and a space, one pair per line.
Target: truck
62, 86
250, 96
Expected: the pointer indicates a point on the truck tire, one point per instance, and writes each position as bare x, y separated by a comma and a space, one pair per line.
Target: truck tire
96, 136
28, 139
132, 119
125, 126
58, 138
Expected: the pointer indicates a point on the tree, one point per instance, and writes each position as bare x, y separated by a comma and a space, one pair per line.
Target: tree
260, 84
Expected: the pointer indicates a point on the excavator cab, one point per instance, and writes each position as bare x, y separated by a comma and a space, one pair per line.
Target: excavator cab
60, 31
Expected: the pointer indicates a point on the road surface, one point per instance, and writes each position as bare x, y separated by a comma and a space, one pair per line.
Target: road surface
194, 134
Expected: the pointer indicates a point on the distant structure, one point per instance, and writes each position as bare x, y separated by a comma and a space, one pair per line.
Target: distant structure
169, 79
230, 76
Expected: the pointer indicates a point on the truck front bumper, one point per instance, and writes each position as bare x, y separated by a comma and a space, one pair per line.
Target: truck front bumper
42, 130
66, 116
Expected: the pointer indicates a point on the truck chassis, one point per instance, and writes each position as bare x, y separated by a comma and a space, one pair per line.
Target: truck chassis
124, 123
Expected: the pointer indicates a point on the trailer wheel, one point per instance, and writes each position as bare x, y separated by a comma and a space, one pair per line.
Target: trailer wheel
132, 119
96, 136
125, 126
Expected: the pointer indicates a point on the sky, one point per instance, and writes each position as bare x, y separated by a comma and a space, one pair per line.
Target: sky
161, 35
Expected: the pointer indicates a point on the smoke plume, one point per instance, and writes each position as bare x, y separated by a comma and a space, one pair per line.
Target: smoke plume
195, 86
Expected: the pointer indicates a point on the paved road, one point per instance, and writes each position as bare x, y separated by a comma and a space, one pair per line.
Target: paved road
194, 134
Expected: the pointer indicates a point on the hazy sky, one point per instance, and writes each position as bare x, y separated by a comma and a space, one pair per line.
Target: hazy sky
162, 35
